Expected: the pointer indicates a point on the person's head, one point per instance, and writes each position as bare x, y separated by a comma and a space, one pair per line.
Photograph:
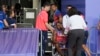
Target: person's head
59, 26
69, 7
12, 7
11, 14
4, 8
54, 7
17, 6
46, 6
72, 11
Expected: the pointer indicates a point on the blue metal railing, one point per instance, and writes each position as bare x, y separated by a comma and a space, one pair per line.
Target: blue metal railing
93, 41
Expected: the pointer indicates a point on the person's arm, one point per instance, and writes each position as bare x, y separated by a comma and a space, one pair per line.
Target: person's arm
49, 27
6, 23
84, 24
4, 20
64, 21
14, 25
45, 19
54, 37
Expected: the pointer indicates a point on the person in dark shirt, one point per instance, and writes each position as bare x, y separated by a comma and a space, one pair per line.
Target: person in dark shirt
11, 21
57, 14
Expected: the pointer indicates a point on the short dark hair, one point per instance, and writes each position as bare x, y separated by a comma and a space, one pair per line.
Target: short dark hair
69, 6
46, 4
72, 11
54, 4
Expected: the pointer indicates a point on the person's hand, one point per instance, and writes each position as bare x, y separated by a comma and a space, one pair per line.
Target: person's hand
86, 29
54, 41
53, 30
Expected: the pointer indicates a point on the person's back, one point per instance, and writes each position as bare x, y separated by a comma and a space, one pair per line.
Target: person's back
76, 22
76, 32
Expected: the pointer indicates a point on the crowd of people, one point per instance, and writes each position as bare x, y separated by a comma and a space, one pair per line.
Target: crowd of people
7, 17
70, 29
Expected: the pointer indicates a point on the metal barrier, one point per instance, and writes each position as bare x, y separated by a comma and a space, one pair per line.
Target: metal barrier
24, 25
30, 15
49, 43
93, 41
19, 42
41, 42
